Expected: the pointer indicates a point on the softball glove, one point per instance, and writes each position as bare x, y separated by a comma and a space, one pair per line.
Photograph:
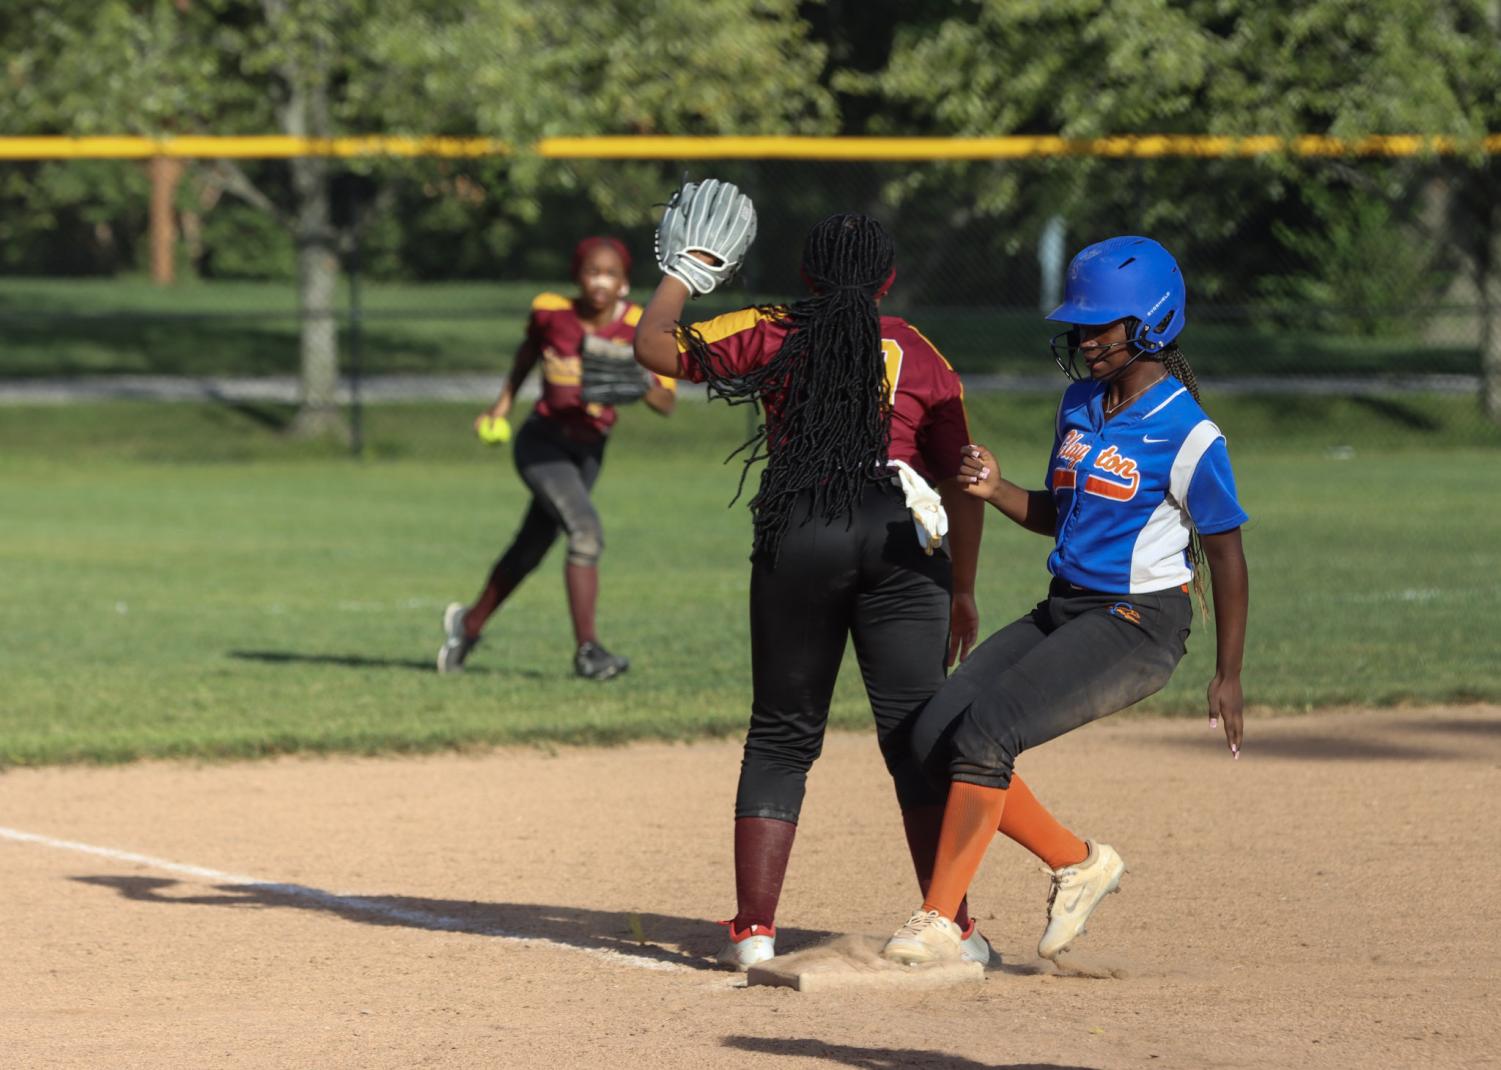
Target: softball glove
710, 217
610, 374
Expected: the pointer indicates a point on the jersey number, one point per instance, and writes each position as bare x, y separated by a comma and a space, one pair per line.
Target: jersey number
893, 355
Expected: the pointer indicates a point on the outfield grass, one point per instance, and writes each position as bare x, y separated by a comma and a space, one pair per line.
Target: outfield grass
183, 581
67, 327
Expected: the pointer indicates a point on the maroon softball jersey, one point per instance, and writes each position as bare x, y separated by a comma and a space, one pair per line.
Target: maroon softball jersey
929, 428
557, 333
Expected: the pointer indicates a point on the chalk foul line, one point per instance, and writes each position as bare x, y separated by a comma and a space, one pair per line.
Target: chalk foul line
345, 904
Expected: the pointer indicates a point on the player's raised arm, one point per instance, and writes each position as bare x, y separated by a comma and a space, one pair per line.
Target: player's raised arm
656, 334
701, 242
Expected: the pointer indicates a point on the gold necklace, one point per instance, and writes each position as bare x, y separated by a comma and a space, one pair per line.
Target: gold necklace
1111, 410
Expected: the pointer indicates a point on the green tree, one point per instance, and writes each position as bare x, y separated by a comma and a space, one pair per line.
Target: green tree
513, 69
1089, 68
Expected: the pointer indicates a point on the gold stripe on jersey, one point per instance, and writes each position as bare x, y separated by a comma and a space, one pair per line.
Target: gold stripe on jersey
633, 315
551, 302
721, 327
891, 351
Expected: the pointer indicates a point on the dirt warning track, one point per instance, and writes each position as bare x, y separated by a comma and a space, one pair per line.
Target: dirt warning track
1328, 900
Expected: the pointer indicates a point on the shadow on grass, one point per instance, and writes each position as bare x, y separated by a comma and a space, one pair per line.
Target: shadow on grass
263, 343
362, 661
876, 1058
661, 938
267, 416
1397, 412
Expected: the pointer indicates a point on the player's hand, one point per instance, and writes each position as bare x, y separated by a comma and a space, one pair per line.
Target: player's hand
492, 428
1226, 703
979, 472
964, 627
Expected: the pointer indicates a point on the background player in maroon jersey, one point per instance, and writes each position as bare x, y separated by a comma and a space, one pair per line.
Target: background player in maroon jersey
845, 392
559, 451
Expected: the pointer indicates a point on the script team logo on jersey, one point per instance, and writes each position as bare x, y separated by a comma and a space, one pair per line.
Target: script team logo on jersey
1127, 477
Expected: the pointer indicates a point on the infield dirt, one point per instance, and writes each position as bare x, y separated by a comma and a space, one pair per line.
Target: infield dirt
1328, 900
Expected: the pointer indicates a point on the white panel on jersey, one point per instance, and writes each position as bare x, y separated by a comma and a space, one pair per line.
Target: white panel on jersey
1157, 557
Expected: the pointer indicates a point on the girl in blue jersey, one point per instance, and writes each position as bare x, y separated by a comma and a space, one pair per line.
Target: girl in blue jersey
1138, 492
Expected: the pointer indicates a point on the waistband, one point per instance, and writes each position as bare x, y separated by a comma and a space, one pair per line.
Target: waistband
1061, 588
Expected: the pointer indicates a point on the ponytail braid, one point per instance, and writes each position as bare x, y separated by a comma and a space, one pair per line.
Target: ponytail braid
1177, 366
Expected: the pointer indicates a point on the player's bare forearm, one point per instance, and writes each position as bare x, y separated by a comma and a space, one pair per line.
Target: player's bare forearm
521, 366
980, 476
1034, 510
966, 515
966, 523
1232, 596
660, 399
656, 332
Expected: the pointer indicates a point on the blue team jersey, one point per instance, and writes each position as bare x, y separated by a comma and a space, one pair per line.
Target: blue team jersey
1130, 492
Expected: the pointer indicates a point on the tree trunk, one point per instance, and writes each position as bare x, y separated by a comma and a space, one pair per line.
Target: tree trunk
166, 173
1490, 347
1489, 276
306, 114
317, 282
1488, 284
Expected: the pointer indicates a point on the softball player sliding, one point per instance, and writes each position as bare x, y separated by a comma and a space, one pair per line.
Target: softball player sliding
560, 448
862, 416
1139, 491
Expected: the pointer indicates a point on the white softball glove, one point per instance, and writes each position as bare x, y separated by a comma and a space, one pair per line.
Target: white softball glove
710, 217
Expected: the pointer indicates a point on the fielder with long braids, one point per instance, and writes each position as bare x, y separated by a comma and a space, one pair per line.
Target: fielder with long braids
1138, 479
862, 418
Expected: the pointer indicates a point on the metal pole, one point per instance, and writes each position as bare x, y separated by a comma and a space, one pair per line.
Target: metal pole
356, 423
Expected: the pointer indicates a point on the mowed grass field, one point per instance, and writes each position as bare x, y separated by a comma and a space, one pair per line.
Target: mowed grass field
185, 581
106, 326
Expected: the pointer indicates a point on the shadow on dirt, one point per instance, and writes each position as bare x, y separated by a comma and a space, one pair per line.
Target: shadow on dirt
683, 942
876, 1058
1317, 748
1473, 726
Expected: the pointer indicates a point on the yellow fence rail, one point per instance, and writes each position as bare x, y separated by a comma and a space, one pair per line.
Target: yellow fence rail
732, 148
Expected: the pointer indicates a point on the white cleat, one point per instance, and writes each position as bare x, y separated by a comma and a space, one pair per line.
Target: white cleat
1077, 890
456, 645
927, 937
973, 947
747, 947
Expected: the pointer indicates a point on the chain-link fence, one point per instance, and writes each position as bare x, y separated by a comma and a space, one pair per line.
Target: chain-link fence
1320, 277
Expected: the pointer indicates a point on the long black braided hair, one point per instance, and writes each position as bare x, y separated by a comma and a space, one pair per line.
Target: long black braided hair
823, 395
1176, 365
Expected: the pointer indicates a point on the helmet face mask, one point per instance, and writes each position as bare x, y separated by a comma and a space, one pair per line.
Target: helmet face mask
1068, 348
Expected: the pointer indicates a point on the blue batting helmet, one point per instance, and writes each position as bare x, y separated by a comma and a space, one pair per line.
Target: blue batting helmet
1126, 278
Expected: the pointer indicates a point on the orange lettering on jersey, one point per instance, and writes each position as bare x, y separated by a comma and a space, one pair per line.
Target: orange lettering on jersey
1123, 468
893, 354
1073, 449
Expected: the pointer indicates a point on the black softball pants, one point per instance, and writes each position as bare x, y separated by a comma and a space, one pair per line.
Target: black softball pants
560, 473
865, 578
1078, 656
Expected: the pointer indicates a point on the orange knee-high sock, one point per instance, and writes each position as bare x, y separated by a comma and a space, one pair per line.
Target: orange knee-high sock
922, 824
970, 819
1030, 824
